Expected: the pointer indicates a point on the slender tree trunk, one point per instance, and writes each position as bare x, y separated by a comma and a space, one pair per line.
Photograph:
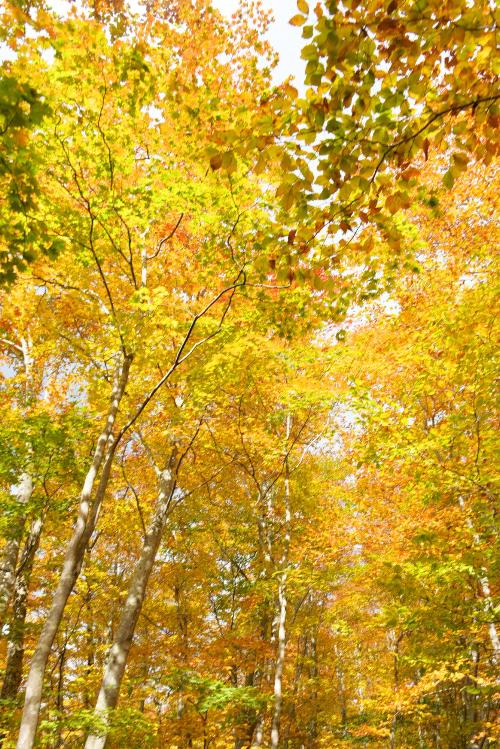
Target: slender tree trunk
312, 729
259, 732
90, 649
87, 515
421, 739
302, 647
282, 604
21, 492
280, 662
15, 646
118, 655
394, 642
263, 670
360, 688
341, 686
184, 735
262, 678
60, 697
145, 671
485, 590
10, 553
243, 737
394, 725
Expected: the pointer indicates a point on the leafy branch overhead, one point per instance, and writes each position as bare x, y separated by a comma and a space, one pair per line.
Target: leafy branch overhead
248, 376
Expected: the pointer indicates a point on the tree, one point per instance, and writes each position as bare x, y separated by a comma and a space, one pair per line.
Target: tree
22, 111
101, 176
388, 84
424, 403
249, 445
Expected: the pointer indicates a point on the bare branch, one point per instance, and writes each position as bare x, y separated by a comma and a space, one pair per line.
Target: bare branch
179, 358
166, 239
11, 344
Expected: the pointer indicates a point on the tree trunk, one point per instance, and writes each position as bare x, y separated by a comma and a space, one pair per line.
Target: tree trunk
302, 646
117, 659
87, 515
485, 590
263, 670
394, 642
184, 739
282, 603
259, 732
280, 662
15, 646
22, 492
60, 697
312, 729
339, 671
10, 552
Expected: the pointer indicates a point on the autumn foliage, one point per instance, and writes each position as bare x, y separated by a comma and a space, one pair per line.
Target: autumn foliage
248, 377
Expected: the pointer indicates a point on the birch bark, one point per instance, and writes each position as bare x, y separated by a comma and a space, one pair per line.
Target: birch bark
10, 553
118, 655
312, 728
282, 604
15, 643
263, 674
21, 493
485, 589
280, 661
87, 515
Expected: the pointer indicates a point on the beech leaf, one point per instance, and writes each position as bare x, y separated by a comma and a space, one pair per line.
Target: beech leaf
216, 161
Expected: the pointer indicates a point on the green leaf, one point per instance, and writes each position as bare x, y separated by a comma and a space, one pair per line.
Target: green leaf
448, 179
309, 52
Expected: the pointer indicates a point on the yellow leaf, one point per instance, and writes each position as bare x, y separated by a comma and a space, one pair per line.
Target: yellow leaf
297, 20
303, 6
20, 136
460, 160
290, 90
229, 162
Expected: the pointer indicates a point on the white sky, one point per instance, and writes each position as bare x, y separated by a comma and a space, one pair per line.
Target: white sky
286, 40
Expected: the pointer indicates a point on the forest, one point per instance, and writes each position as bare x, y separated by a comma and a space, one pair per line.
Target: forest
248, 376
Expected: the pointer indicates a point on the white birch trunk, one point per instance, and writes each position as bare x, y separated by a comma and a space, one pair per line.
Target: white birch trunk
312, 728
15, 643
282, 604
10, 553
259, 732
280, 662
263, 675
21, 493
341, 685
485, 589
117, 659
87, 513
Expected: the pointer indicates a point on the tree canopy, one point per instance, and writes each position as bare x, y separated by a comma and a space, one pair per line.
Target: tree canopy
248, 376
